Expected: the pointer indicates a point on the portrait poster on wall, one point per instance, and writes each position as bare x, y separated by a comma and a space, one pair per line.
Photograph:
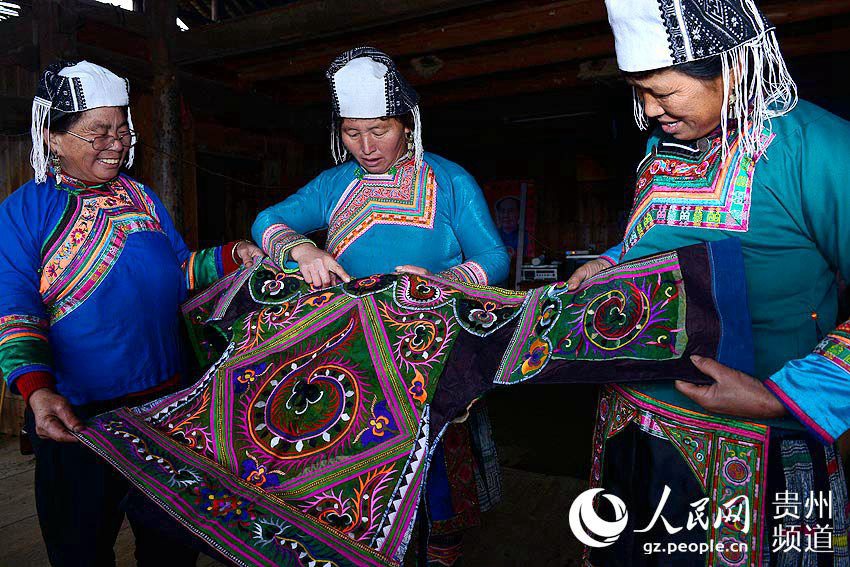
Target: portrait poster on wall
504, 199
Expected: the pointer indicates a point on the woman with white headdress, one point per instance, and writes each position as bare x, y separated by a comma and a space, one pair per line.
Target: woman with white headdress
393, 207
743, 471
92, 273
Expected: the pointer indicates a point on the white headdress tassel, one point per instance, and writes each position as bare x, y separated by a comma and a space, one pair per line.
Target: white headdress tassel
132, 154
756, 74
338, 151
38, 155
418, 150
640, 114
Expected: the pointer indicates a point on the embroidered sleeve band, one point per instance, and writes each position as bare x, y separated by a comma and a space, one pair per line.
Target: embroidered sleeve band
468, 272
825, 409
208, 265
23, 346
279, 240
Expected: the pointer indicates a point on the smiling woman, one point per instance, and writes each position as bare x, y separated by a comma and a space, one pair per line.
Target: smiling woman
94, 145
92, 273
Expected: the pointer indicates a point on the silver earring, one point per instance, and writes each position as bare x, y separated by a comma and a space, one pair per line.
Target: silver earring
57, 166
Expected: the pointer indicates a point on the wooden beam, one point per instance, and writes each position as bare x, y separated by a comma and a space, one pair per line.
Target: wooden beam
571, 76
486, 24
475, 25
298, 22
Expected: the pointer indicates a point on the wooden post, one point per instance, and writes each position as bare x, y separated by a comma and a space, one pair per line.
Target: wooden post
167, 144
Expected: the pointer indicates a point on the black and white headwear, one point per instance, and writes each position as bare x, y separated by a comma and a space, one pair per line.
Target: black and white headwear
66, 87
365, 83
654, 34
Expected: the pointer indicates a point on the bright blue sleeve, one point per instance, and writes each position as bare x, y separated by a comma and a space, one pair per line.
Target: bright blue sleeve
613, 254
281, 227
485, 258
24, 324
816, 388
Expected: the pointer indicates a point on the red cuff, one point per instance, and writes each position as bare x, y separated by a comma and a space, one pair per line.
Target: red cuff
227, 258
32, 381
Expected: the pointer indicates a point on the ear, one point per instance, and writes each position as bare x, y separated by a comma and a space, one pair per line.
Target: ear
54, 142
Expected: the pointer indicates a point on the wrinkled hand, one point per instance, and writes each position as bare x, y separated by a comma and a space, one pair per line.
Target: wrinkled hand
733, 392
587, 270
319, 268
248, 253
54, 418
410, 269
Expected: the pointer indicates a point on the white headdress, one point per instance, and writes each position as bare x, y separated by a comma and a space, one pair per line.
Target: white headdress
655, 34
67, 87
365, 83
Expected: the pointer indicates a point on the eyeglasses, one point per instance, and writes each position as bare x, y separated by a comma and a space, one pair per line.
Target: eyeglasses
128, 139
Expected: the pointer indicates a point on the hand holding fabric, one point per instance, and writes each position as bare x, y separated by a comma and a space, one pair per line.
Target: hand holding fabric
410, 269
733, 392
248, 253
587, 270
319, 268
54, 418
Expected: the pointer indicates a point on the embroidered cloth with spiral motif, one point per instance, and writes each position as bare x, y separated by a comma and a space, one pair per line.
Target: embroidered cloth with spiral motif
308, 439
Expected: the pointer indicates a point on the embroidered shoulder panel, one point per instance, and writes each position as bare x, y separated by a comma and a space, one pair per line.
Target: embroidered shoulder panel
88, 240
405, 196
679, 185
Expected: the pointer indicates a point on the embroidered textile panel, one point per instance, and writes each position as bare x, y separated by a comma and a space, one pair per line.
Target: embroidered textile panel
319, 404
727, 458
308, 438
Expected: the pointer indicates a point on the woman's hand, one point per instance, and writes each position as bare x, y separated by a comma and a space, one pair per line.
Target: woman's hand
248, 253
319, 268
409, 269
733, 392
54, 418
586, 270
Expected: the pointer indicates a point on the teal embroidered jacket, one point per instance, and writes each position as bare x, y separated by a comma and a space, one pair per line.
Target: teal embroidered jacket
791, 211
434, 217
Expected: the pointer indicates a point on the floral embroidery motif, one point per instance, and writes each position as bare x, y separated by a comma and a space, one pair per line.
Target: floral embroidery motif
89, 239
682, 186
403, 196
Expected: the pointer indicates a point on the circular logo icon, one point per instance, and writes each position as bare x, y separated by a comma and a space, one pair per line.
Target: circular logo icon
589, 528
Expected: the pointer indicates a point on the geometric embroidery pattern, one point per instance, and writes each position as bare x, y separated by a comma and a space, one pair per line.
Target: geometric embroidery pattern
728, 457
88, 240
684, 185
835, 347
403, 196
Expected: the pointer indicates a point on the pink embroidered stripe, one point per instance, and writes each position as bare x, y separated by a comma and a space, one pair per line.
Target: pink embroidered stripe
469, 272
22, 326
279, 240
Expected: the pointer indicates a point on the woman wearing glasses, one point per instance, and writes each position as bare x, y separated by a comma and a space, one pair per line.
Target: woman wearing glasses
92, 272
